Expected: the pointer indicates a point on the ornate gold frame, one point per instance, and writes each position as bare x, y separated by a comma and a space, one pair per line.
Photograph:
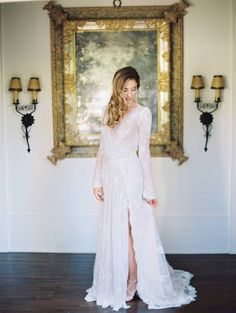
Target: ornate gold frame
168, 21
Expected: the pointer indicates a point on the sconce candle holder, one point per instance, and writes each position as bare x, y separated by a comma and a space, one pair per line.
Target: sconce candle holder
207, 109
27, 119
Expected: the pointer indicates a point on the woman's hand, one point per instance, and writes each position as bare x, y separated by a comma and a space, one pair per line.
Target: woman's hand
153, 202
98, 192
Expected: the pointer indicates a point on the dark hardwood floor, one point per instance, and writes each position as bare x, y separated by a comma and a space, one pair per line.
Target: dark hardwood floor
56, 283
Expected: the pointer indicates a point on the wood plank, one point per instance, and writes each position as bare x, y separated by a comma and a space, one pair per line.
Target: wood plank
56, 282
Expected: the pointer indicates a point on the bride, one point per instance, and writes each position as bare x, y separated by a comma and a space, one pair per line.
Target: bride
130, 258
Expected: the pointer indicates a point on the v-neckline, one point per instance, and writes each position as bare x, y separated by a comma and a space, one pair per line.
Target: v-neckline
127, 114
123, 120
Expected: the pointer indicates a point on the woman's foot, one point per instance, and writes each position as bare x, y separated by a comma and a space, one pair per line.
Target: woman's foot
131, 289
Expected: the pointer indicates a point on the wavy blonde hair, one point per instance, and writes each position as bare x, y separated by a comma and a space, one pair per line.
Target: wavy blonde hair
116, 107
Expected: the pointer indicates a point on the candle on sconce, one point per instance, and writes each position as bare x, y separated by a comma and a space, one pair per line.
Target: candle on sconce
15, 86
34, 86
197, 85
15, 97
217, 84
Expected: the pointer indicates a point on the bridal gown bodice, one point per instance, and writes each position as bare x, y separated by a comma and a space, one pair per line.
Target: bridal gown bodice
120, 145
123, 169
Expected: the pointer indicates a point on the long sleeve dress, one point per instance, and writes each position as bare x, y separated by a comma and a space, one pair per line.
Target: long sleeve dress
126, 179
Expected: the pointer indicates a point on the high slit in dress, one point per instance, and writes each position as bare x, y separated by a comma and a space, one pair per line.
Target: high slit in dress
123, 169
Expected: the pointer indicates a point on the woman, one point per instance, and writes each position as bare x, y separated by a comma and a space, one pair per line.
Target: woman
129, 254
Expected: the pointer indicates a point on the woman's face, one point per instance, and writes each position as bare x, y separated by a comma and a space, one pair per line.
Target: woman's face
129, 92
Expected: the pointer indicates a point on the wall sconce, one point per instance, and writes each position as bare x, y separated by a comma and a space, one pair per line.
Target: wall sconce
206, 118
27, 118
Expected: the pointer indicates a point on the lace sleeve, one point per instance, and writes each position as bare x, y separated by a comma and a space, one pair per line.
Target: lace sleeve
145, 123
97, 176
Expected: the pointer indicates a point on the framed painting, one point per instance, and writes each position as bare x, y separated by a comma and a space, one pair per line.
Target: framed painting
88, 46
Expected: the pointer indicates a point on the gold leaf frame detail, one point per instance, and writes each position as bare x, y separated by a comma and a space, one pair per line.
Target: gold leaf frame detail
66, 21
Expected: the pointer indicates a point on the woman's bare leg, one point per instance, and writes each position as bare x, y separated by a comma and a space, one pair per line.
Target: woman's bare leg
132, 262
132, 277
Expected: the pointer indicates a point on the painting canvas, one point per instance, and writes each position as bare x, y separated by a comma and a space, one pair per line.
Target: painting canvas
98, 56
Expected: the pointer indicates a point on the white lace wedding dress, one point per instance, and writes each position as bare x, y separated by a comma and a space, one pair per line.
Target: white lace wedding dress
127, 181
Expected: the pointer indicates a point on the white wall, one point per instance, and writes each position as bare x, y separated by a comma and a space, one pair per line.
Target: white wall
3, 193
52, 208
233, 171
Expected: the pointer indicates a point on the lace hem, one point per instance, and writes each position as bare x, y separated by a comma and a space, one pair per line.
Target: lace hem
104, 303
184, 294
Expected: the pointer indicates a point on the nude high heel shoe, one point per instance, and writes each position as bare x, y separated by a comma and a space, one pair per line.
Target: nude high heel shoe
131, 289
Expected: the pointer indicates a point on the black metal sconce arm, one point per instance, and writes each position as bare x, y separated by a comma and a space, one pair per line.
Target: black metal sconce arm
27, 119
206, 118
